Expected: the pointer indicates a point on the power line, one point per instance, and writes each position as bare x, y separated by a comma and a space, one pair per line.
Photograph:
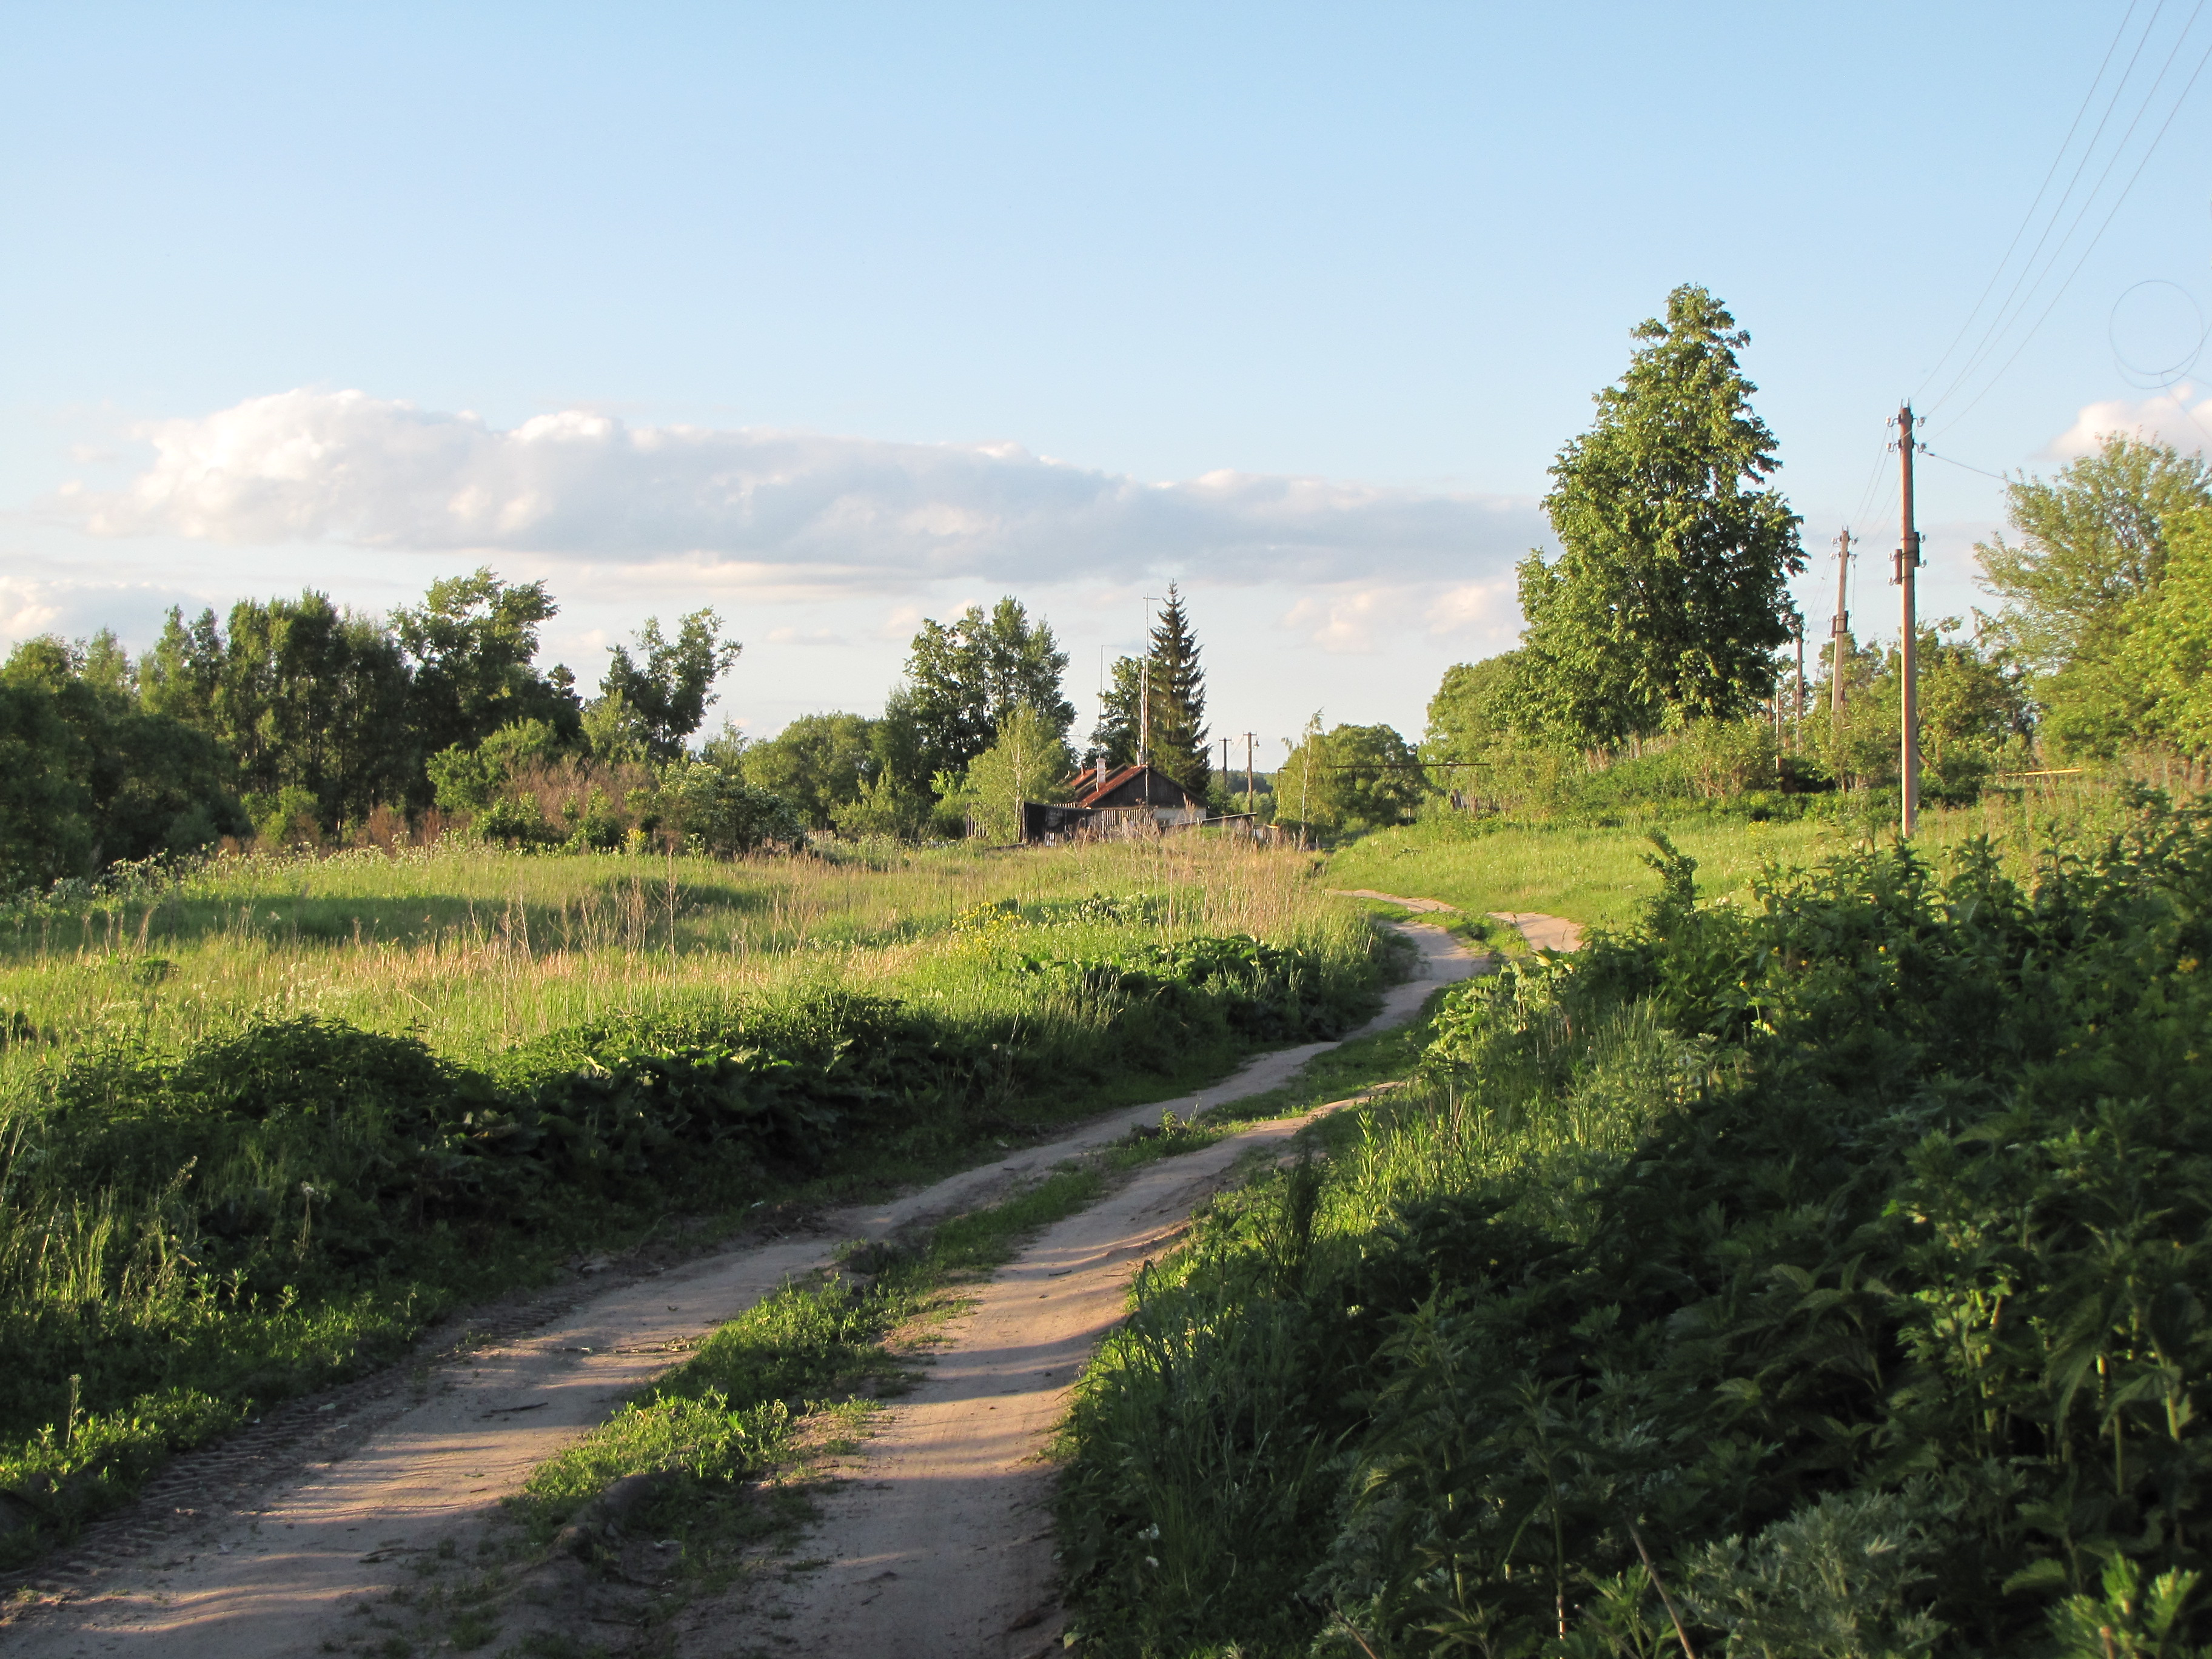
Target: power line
1993, 338
1984, 471
2005, 315
2118, 203
2028, 217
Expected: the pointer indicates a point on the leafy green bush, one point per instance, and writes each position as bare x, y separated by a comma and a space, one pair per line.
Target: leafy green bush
1843, 1252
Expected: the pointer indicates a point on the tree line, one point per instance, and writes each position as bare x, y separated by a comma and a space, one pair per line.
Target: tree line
291, 720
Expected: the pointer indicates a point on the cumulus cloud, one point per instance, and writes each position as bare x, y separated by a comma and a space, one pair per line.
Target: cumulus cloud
767, 507
66, 602
1362, 619
2181, 417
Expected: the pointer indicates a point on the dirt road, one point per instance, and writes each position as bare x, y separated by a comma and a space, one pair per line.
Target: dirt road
1542, 932
412, 1468
941, 1547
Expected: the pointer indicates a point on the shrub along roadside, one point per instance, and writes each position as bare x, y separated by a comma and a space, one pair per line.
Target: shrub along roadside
1842, 1252
191, 1235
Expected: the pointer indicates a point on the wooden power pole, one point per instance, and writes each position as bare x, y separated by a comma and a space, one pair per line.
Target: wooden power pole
1251, 793
1797, 691
1908, 561
1839, 649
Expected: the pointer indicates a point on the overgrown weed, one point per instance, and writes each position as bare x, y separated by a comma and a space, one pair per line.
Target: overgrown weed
1829, 1260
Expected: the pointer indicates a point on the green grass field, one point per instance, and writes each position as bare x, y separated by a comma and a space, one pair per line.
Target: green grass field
260, 1123
475, 950
1598, 876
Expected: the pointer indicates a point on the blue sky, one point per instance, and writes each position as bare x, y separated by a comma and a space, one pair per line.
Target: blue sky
836, 316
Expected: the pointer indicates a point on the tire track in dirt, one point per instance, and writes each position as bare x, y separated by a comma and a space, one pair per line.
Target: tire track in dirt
321, 1513
940, 1545
1543, 933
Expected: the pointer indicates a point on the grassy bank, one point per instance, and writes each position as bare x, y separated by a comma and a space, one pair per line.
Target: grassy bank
261, 1126
1831, 1262
1594, 873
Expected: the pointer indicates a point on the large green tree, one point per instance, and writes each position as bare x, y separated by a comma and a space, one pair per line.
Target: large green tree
1349, 777
306, 697
965, 677
1471, 716
2168, 652
818, 763
88, 777
658, 697
471, 644
2090, 556
1027, 761
1669, 594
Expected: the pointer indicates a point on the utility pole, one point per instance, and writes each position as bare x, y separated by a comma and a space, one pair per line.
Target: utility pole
1224, 766
1908, 561
1797, 696
1840, 651
1144, 692
1251, 795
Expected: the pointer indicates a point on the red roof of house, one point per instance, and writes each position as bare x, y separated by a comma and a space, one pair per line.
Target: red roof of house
1088, 791
1087, 788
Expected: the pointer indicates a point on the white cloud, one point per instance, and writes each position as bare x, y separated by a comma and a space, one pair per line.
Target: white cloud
900, 622
1481, 618
767, 509
76, 604
2180, 416
805, 636
26, 609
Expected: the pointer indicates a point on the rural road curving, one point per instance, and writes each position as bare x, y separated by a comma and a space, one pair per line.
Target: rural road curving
1542, 932
951, 1491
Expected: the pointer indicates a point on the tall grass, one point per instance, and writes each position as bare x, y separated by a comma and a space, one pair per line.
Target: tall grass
260, 1121
475, 950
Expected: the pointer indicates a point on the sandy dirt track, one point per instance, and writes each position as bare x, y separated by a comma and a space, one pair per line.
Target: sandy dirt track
413, 1468
941, 1547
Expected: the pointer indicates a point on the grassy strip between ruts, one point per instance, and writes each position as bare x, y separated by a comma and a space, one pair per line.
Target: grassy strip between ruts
734, 1437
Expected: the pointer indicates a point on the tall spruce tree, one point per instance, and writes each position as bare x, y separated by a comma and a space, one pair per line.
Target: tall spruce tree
1178, 700
1176, 705
1669, 595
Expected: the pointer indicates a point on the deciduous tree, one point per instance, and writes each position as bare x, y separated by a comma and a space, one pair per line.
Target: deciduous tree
303, 695
1349, 777
818, 763
2091, 552
471, 644
2168, 652
964, 677
662, 693
1028, 762
1669, 591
